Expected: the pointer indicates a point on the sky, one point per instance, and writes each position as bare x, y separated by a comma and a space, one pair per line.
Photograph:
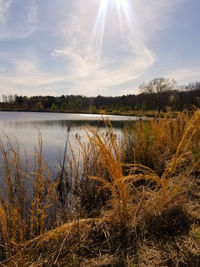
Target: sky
96, 47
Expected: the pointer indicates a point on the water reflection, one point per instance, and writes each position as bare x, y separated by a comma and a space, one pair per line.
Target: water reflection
54, 128
60, 123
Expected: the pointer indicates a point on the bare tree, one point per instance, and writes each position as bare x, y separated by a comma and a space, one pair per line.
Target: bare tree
158, 85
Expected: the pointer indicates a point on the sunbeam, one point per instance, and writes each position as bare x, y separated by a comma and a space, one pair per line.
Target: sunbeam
122, 8
99, 28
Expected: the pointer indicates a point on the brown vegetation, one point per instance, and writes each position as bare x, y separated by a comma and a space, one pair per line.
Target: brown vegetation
128, 202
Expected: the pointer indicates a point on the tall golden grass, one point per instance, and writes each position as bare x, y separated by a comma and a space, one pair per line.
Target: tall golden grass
174, 138
155, 141
161, 151
22, 216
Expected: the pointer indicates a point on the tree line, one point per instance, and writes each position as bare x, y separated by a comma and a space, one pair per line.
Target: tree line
159, 94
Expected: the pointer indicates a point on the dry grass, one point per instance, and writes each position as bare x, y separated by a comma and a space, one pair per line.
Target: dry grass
23, 216
153, 142
140, 191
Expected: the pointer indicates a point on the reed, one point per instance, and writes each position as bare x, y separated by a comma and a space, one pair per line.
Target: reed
22, 215
118, 190
154, 142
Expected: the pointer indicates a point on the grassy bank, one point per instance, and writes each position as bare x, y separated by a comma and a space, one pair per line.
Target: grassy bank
128, 202
137, 113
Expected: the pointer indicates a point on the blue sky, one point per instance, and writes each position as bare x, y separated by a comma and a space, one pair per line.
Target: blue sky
92, 47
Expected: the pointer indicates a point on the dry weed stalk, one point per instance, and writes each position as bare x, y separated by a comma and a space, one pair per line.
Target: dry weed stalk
183, 131
102, 162
153, 142
21, 216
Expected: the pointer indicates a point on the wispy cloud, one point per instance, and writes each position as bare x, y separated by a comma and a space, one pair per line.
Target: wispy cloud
91, 50
4, 7
21, 28
124, 54
33, 13
153, 16
28, 77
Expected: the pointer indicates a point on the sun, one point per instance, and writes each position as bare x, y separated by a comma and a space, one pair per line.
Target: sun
119, 2
123, 7
123, 4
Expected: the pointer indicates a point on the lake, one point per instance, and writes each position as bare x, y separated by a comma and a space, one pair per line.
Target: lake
54, 128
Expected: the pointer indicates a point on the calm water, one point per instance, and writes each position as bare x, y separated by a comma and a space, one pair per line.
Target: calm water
25, 126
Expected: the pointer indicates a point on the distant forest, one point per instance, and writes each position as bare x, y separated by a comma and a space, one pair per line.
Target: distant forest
160, 94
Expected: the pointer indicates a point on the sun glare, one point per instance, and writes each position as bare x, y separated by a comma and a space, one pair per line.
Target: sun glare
121, 4
122, 8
